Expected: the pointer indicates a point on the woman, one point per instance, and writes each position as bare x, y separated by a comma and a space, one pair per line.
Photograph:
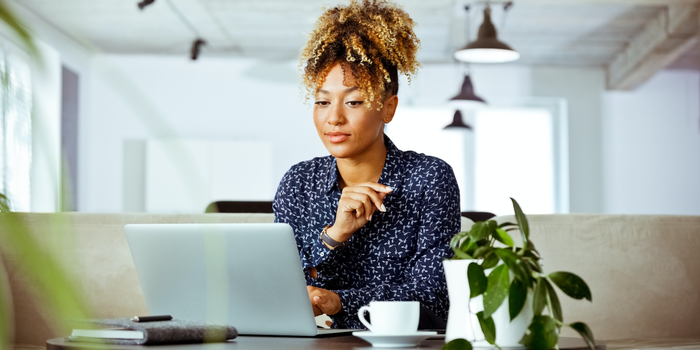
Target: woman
371, 222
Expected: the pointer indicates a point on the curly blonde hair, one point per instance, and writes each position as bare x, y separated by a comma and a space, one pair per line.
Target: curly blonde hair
374, 38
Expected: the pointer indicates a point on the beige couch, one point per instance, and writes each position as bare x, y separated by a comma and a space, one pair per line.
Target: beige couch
643, 271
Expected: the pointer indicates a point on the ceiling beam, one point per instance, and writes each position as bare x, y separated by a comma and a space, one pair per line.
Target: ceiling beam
660, 43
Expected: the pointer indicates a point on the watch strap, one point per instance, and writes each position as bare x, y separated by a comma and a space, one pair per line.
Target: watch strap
330, 242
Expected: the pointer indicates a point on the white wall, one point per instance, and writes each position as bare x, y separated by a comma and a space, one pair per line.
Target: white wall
141, 97
652, 146
583, 88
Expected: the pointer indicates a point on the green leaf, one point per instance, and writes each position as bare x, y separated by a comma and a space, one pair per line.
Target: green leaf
477, 280
458, 344
541, 334
488, 327
554, 301
497, 290
461, 255
490, 261
479, 231
585, 333
516, 298
504, 237
507, 224
464, 246
532, 254
454, 242
514, 263
522, 221
531, 247
482, 251
492, 226
540, 297
533, 265
11, 20
4, 205
571, 285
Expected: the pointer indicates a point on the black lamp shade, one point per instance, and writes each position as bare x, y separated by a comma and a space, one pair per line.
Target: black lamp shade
467, 92
487, 48
457, 122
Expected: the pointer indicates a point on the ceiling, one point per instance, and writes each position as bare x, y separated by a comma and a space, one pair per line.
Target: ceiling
554, 32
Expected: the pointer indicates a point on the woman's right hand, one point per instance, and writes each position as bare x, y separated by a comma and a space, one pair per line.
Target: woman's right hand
355, 208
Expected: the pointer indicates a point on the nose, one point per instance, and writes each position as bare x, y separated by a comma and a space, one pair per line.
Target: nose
336, 115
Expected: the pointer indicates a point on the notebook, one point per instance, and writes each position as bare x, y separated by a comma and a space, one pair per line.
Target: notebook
245, 275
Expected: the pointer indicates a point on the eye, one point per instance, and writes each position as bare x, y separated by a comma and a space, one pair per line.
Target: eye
321, 103
355, 103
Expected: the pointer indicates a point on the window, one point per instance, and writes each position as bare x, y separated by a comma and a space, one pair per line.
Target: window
514, 150
15, 130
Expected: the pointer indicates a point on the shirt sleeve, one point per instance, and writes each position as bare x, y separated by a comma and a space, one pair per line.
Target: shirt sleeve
424, 278
288, 208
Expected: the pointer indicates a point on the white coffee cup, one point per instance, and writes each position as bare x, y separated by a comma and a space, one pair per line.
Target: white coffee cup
391, 317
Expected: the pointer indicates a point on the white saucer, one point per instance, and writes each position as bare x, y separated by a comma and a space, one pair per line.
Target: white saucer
394, 340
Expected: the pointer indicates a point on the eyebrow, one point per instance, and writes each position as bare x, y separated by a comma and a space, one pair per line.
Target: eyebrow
347, 91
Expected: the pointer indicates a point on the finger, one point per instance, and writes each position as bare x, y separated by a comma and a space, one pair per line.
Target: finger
322, 304
365, 199
317, 310
313, 291
353, 205
377, 187
366, 194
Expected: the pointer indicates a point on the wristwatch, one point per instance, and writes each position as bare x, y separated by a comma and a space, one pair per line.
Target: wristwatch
330, 242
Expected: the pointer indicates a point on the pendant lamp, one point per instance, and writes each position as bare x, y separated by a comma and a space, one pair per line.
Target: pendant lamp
467, 92
457, 122
487, 48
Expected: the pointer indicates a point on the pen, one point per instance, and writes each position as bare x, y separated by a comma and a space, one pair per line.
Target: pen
151, 318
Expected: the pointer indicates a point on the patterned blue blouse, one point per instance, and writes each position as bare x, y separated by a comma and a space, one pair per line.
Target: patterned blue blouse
396, 256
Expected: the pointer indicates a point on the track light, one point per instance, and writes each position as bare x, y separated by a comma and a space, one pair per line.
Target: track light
196, 46
145, 3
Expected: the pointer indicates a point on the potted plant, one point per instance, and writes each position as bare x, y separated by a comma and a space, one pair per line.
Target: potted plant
498, 270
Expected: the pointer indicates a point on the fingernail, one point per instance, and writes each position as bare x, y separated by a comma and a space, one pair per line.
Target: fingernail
389, 189
383, 208
370, 217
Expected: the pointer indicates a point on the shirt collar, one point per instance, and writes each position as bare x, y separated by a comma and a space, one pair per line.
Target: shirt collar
391, 174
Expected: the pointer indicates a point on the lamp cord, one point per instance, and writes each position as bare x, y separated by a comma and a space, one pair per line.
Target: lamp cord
183, 19
506, 10
221, 26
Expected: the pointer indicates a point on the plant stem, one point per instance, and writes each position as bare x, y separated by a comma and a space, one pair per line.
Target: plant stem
551, 314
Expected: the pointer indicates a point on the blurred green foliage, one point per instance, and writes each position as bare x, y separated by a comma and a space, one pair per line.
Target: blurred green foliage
51, 282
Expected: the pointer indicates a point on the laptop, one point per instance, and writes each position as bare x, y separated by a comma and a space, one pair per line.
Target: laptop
245, 275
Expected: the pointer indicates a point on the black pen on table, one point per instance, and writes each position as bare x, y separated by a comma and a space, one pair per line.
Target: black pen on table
151, 318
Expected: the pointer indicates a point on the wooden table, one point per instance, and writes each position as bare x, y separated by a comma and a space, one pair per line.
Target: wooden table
278, 343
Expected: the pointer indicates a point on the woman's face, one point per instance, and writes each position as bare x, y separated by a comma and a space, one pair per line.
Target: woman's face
347, 128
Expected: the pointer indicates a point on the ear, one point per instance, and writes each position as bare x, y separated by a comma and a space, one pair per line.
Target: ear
389, 109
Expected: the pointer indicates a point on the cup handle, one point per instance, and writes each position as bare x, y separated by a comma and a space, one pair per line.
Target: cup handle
361, 316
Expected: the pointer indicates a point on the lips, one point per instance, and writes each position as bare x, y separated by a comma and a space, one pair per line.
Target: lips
337, 136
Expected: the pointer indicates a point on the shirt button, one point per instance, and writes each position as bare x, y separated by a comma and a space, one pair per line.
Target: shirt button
323, 253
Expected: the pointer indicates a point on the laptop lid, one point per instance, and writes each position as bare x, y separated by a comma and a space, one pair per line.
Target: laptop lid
245, 275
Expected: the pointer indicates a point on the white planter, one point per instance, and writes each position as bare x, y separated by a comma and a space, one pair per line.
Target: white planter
462, 321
